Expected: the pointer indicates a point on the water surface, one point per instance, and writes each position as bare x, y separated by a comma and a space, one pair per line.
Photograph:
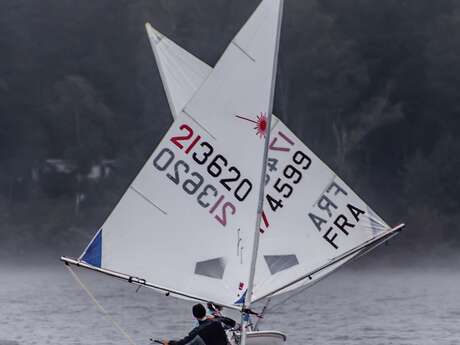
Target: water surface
375, 307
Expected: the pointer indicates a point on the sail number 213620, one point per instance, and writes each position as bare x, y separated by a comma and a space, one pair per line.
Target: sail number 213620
193, 183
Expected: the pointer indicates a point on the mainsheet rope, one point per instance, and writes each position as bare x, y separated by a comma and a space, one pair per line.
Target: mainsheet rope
99, 306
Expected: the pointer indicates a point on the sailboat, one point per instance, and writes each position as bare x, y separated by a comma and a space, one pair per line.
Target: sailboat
182, 75
231, 207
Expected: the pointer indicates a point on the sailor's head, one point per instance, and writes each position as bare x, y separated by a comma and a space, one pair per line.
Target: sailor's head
199, 312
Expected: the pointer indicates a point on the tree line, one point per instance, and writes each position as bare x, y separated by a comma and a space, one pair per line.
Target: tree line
371, 87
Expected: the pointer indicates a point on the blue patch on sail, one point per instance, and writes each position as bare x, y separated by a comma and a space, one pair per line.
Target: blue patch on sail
242, 299
93, 253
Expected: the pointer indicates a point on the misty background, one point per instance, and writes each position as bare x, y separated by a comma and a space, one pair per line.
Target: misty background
370, 86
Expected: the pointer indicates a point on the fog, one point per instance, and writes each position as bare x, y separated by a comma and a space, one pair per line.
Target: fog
370, 86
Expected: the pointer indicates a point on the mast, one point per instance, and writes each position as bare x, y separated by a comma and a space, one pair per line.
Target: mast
247, 301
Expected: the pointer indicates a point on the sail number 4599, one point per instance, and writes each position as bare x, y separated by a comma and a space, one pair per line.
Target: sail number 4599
291, 173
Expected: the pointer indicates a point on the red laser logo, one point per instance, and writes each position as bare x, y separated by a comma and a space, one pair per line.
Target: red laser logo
261, 123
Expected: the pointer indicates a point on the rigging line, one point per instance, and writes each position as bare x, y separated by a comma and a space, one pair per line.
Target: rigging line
373, 242
295, 294
314, 282
99, 306
262, 313
344, 260
310, 284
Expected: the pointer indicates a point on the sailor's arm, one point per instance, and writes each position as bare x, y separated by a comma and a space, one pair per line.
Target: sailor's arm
193, 333
226, 321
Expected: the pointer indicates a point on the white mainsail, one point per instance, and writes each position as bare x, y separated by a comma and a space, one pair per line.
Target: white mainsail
313, 217
187, 221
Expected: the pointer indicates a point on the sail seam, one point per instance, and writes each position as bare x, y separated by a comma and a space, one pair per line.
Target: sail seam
147, 199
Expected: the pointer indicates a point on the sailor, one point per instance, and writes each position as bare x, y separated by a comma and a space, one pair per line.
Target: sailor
215, 312
208, 331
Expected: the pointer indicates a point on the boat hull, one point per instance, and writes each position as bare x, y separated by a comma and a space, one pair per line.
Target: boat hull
265, 338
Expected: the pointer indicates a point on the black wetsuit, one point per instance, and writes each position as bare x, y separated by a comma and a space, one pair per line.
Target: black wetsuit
227, 323
208, 331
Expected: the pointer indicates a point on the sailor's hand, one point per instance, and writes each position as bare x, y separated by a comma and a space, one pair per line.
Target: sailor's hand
165, 342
